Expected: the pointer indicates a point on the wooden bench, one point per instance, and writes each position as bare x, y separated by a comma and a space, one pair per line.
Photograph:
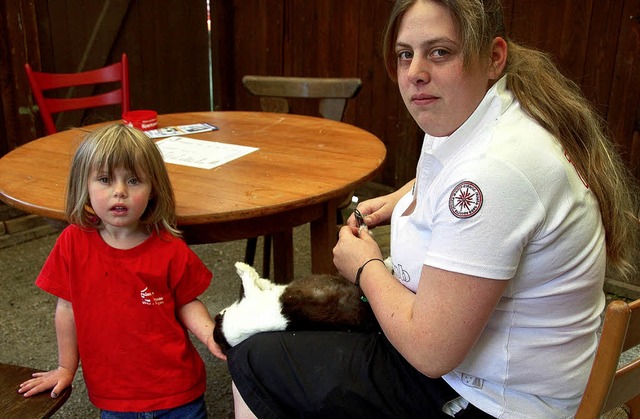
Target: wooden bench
15, 405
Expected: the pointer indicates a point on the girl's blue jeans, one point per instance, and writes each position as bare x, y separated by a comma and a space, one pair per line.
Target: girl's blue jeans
194, 410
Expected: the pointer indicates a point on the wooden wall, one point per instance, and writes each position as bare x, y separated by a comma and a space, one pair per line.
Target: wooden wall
316, 39
167, 43
596, 42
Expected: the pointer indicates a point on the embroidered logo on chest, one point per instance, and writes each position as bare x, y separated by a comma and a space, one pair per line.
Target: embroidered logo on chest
465, 200
149, 298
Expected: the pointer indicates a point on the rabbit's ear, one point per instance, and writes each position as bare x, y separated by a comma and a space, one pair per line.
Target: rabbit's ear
264, 284
249, 273
249, 277
244, 269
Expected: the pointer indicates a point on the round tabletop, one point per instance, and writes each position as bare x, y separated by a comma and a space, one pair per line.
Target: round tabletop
300, 161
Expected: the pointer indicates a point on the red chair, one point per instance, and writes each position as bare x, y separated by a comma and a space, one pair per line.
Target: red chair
41, 82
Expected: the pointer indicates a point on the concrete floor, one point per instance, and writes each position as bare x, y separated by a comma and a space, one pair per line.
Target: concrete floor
27, 335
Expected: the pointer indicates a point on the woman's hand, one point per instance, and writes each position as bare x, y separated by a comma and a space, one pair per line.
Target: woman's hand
58, 380
377, 211
352, 251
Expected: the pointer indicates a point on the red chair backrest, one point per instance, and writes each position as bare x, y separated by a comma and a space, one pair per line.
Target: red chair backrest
41, 82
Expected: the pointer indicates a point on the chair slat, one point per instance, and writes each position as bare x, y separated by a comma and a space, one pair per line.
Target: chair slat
302, 87
48, 81
60, 105
633, 331
626, 385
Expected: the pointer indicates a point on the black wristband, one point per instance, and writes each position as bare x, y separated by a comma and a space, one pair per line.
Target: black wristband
357, 281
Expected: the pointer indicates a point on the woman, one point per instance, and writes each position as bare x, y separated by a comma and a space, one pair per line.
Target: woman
499, 245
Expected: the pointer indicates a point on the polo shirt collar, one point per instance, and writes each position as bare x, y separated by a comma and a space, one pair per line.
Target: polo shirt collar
495, 103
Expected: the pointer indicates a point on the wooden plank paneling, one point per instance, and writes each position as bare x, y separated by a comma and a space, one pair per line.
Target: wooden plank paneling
222, 47
635, 149
380, 107
367, 56
507, 10
624, 100
316, 35
167, 43
599, 64
258, 50
168, 48
83, 34
537, 25
325, 39
18, 43
571, 47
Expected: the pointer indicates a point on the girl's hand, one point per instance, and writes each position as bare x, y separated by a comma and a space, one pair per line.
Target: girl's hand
215, 349
58, 380
196, 318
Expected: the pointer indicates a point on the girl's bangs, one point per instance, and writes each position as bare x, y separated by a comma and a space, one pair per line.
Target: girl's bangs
114, 156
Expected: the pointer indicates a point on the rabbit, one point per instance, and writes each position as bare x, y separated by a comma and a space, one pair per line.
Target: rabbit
315, 302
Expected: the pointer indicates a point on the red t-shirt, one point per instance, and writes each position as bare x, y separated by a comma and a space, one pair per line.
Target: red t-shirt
135, 353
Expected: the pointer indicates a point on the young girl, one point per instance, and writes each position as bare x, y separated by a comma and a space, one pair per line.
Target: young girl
127, 285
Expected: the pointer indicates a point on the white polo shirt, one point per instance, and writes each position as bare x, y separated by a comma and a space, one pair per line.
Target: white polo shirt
499, 199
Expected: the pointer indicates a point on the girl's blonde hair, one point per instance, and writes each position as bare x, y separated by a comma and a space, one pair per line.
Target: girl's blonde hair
558, 105
118, 146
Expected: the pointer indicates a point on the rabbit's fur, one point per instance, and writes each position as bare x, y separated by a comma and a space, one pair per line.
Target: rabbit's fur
315, 302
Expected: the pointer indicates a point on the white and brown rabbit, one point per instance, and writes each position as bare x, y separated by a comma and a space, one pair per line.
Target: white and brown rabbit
316, 302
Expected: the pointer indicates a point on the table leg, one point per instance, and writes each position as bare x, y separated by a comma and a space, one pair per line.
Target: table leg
283, 256
324, 236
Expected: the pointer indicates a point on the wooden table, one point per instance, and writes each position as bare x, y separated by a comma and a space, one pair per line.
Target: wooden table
15, 405
304, 168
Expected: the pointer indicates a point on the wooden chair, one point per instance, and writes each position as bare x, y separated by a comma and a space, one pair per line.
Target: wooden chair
610, 387
14, 405
41, 82
274, 92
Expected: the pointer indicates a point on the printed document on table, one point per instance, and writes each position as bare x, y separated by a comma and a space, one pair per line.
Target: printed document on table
180, 130
200, 153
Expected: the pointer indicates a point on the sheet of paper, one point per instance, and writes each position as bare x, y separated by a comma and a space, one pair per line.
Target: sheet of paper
180, 130
200, 153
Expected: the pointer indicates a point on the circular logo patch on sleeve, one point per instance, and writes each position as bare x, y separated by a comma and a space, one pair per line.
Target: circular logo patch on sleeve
465, 200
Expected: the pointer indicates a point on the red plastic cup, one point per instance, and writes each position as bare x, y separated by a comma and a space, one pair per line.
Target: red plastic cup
143, 120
